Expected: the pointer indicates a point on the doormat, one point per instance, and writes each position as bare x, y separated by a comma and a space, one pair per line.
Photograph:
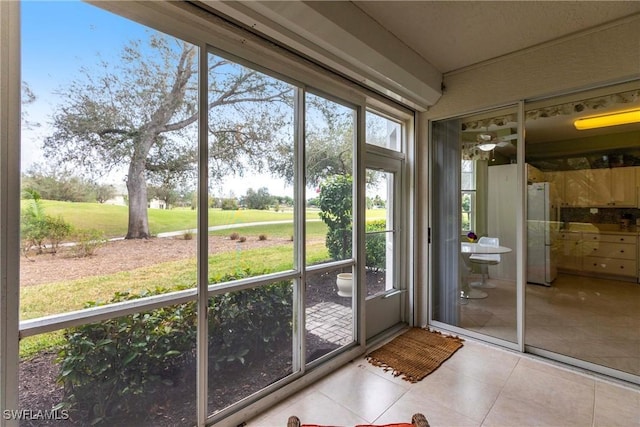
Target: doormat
415, 354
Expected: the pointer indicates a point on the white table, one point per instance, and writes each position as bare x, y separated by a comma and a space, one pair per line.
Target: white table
467, 249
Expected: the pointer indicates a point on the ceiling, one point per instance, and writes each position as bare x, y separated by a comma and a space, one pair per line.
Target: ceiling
455, 34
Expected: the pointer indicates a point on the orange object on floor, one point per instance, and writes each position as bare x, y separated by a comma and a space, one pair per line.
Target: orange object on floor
418, 420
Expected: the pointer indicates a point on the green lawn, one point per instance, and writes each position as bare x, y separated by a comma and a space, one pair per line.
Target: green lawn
113, 219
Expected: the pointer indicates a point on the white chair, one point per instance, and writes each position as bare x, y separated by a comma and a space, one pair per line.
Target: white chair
485, 260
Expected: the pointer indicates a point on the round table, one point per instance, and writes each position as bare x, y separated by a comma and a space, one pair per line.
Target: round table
468, 249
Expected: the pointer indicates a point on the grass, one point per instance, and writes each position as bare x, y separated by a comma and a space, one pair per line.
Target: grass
314, 229
113, 219
36, 301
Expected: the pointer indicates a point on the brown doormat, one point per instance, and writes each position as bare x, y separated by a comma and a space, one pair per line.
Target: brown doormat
415, 354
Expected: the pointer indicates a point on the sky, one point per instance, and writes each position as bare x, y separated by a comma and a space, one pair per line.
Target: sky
60, 37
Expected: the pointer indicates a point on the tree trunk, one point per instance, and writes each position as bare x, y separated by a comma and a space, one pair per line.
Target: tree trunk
137, 189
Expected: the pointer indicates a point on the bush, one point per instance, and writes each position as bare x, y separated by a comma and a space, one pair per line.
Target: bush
376, 245
187, 235
234, 236
58, 230
88, 241
246, 325
262, 237
229, 205
37, 228
242, 239
335, 202
106, 367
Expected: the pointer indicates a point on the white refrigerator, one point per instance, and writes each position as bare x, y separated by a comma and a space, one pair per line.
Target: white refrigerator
541, 226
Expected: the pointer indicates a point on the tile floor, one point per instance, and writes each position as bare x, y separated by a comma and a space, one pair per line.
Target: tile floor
479, 385
587, 318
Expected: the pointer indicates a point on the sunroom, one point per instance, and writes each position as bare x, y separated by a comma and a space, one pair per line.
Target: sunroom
208, 206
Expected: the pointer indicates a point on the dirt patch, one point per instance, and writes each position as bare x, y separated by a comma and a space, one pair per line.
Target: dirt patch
125, 255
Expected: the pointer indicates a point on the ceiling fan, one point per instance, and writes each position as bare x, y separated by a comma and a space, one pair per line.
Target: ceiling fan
488, 141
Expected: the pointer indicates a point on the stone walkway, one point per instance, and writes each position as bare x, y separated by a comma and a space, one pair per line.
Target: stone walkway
330, 321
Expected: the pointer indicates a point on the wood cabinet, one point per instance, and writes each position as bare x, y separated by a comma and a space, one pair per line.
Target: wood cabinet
569, 250
624, 186
576, 188
557, 180
612, 187
610, 254
615, 187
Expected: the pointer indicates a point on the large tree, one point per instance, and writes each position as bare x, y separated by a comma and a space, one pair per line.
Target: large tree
141, 112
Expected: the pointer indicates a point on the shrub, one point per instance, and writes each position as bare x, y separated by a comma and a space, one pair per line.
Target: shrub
246, 325
37, 228
262, 237
187, 235
229, 205
58, 229
106, 367
376, 245
242, 239
88, 241
335, 202
234, 236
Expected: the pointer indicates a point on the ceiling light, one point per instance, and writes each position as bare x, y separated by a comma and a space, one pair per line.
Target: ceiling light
621, 118
487, 146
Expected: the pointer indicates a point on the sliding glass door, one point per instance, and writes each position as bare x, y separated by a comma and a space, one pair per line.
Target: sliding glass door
475, 235
573, 294
583, 297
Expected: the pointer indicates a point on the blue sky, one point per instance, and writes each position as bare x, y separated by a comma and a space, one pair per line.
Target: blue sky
60, 36
57, 39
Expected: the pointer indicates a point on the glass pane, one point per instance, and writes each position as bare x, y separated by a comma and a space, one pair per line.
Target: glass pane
133, 370
380, 233
250, 342
329, 144
583, 299
329, 312
383, 132
251, 156
484, 299
108, 199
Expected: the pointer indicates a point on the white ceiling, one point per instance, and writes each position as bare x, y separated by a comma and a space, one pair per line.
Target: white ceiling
454, 34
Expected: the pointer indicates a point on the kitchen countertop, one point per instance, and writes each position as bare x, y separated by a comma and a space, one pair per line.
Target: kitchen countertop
599, 228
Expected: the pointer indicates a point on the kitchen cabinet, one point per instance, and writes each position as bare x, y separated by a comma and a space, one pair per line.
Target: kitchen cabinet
624, 187
615, 187
612, 187
576, 188
610, 254
569, 251
557, 180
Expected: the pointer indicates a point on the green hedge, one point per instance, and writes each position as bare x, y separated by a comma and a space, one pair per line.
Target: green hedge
107, 367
